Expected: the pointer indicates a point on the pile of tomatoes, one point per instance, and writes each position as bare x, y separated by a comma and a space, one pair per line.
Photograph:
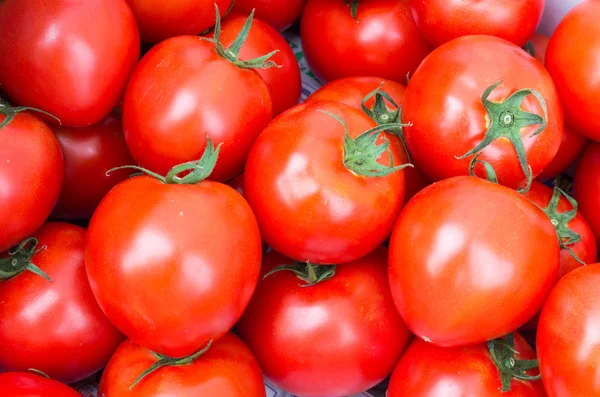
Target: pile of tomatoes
175, 223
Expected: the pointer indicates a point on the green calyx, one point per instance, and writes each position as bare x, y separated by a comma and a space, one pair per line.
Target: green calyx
10, 112
503, 353
490, 172
38, 372
164, 361
353, 8
529, 48
307, 272
19, 260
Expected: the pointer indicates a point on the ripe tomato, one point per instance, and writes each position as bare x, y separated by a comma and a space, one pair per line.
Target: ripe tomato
487, 255
22, 384
312, 190
381, 41
280, 14
571, 59
89, 153
443, 20
571, 146
284, 82
432, 371
451, 116
335, 338
567, 342
540, 44
69, 58
226, 369
31, 175
586, 186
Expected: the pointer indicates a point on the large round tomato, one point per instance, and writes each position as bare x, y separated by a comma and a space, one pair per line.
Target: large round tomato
69, 58
433, 371
381, 41
471, 261
280, 14
457, 109
31, 175
89, 153
443, 20
312, 189
571, 59
571, 146
335, 338
567, 339
586, 186
226, 369
22, 384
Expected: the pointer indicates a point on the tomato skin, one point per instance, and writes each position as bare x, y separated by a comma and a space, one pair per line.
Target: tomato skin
31, 171
441, 21
23, 384
89, 153
161, 118
280, 14
480, 248
571, 147
301, 333
181, 267
284, 83
540, 44
443, 102
336, 46
567, 347
586, 186
42, 39
300, 190
227, 369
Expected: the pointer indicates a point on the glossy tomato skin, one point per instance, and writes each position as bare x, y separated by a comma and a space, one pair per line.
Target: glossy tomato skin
31, 171
540, 44
227, 369
24, 384
69, 58
89, 153
586, 186
480, 248
182, 91
284, 82
441, 21
443, 102
577, 37
181, 267
309, 206
301, 333
571, 146
335, 45
567, 345
432, 371
280, 14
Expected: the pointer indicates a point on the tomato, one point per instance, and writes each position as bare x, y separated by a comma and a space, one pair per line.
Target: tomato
567, 342
381, 41
89, 153
183, 91
540, 44
226, 369
433, 371
69, 58
571, 146
441, 21
31, 175
586, 186
284, 82
313, 191
571, 60
335, 338
457, 109
21, 384
487, 255
280, 14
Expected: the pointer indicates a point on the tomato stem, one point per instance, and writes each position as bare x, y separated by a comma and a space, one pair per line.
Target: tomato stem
353, 8
10, 112
309, 273
529, 48
19, 260
503, 352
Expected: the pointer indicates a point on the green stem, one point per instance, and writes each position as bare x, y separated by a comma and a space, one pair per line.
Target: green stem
10, 112
307, 272
502, 351
19, 260
353, 8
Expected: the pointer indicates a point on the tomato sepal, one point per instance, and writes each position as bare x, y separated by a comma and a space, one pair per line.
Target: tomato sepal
10, 112
353, 8
502, 351
491, 176
309, 273
19, 260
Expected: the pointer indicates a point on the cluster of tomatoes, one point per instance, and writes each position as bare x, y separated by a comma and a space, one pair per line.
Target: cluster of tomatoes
178, 222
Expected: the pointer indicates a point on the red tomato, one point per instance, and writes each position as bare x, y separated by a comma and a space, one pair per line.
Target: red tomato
227, 369
571, 146
571, 59
284, 82
443, 20
433, 371
280, 14
540, 44
381, 41
487, 256
31, 175
335, 338
446, 104
586, 186
309, 204
69, 58
567, 340
20, 384
89, 153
